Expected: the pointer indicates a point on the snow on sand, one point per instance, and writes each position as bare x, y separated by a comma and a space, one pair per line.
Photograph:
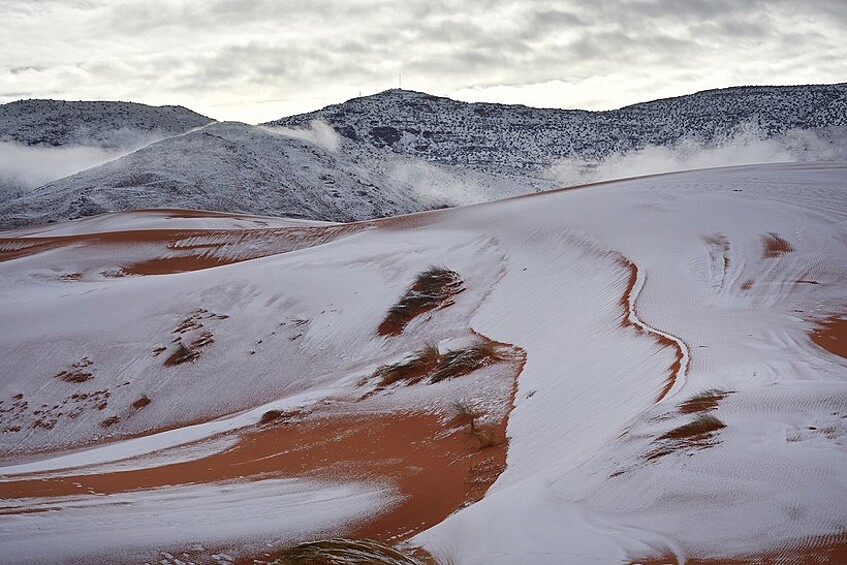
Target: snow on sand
629, 300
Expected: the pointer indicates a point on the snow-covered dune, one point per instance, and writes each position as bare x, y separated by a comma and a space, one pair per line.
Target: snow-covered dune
663, 364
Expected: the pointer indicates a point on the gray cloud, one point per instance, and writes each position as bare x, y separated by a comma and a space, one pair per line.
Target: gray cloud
257, 60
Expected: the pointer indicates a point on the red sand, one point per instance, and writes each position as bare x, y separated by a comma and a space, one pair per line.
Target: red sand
832, 335
176, 253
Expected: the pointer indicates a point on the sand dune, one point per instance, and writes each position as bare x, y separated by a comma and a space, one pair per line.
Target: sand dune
669, 384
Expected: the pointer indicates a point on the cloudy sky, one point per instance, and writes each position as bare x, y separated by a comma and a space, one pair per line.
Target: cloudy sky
256, 60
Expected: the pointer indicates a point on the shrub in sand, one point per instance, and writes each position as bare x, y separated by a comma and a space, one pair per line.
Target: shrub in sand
412, 369
437, 366
461, 362
340, 551
432, 289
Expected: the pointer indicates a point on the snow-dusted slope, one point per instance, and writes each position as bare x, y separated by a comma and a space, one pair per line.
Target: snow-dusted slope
240, 168
630, 300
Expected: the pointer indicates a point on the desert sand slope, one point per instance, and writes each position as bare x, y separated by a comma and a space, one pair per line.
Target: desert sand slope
670, 399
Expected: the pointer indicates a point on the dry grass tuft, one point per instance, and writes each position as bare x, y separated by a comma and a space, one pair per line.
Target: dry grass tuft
74, 376
703, 402
340, 551
432, 289
465, 414
412, 369
430, 362
77, 374
461, 362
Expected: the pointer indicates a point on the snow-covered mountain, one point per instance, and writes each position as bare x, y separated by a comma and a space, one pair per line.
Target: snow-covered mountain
111, 125
399, 152
651, 370
235, 167
513, 136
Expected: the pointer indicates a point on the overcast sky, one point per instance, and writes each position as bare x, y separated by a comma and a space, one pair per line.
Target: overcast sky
256, 60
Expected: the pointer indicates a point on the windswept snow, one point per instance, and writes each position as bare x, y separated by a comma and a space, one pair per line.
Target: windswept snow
126, 527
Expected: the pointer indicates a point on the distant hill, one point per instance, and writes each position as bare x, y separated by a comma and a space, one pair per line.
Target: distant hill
399, 151
519, 137
102, 124
236, 167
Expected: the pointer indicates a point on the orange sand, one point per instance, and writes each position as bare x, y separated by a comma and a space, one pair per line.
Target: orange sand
832, 335
178, 256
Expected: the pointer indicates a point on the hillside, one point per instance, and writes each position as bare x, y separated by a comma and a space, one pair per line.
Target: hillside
518, 137
236, 167
650, 370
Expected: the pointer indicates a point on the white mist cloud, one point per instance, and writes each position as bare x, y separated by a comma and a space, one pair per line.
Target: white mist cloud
24, 167
318, 133
747, 145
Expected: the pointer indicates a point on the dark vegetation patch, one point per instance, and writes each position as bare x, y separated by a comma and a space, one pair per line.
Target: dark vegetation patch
194, 320
17, 414
189, 353
270, 416
432, 289
412, 369
182, 355
340, 551
460, 362
429, 362
110, 421
77, 373
141, 402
